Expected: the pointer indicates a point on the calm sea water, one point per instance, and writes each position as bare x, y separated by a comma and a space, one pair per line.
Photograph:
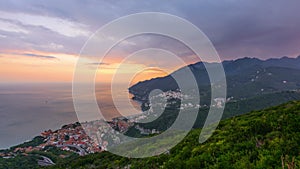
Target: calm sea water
28, 109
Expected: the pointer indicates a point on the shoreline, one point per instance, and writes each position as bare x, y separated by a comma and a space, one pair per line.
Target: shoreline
60, 127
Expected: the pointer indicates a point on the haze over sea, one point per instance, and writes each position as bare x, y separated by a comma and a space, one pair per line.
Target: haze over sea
28, 109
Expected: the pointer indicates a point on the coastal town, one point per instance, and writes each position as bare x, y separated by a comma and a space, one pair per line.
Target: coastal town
73, 137
95, 136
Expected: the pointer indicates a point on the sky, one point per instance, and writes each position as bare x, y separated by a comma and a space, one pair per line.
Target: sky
40, 40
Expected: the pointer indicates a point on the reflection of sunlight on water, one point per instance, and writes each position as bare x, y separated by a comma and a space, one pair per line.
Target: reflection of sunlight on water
108, 105
28, 109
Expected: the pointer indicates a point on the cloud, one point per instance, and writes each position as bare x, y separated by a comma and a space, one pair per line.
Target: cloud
11, 27
62, 26
262, 29
237, 28
2, 36
98, 63
153, 69
39, 56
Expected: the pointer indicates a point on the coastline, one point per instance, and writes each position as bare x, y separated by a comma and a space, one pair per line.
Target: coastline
76, 121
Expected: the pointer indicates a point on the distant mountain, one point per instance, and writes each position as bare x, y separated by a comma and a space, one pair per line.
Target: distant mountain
246, 77
284, 62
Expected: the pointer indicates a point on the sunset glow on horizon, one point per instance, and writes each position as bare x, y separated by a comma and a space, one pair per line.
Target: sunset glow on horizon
40, 43
36, 66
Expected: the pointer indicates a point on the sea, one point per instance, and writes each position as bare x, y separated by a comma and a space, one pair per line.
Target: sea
28, 109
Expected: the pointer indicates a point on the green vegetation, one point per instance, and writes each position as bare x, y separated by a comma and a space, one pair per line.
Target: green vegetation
55, 154
30, 161
34, 142
19, 162
262, 139
234, 108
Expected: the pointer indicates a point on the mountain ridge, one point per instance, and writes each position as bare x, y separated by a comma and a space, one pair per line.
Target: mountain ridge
260, 75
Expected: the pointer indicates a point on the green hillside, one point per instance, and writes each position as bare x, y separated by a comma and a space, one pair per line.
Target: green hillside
262, 139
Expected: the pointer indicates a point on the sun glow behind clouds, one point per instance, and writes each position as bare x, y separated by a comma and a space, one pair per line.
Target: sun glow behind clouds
37, 66
107, 72
45, 49
31, 64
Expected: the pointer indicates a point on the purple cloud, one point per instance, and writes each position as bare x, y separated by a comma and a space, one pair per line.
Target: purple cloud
258, 28
39, 56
